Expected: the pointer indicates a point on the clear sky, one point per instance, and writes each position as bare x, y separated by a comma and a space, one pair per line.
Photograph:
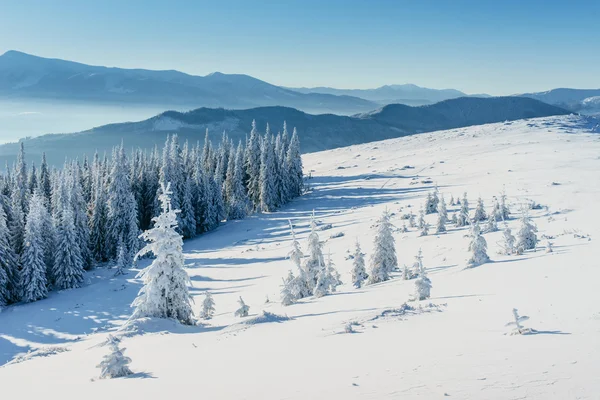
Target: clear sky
493, 46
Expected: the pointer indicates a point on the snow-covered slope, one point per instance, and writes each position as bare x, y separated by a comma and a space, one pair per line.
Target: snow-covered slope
456, 345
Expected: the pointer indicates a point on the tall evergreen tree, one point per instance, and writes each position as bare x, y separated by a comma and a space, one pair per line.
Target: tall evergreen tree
268, 190
383, 260
33, 261
294, 166
9, 273
253, 166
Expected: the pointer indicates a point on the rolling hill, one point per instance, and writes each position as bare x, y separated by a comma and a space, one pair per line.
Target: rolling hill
317, 132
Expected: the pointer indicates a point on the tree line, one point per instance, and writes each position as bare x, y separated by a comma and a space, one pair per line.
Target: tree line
57, 223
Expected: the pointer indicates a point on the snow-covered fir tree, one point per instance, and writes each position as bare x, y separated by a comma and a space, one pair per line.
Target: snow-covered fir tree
477, 247
122, 208
526, 236
68, 268
327, 279
268, 189
411, 220
442, 216
253, 166
295, 255
463, 215
115, 364
33, 261
422, 287
121, 262
504, 210
421, 221
383, 260
294, 165
491, 225
479, 214
428, 206
243, 310
287, 293
454, 219
359, 273
208, 306
165, 292
9, 272
508, 241
314, 261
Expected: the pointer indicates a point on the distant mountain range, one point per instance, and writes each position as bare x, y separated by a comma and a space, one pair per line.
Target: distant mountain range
317, 132
408, 94
585, 101
27, 76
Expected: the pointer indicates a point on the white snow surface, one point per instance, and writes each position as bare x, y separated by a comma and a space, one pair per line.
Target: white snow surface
456, 345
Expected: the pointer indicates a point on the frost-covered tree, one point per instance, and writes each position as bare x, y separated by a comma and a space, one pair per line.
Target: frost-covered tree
9, 273
314, 261
122, 208
422, 287
404, 229
33, 260
253, 166
383, 260
98, 219
421, 221
491, 225
165, 292
504, 210
359, 273
526, 236
454, 219
508, 242
418, 264
208, 306
294, 165
80, 218
68, 268
327, 280
452, 200
463, 215
44, 180
411, 220
424, 229
295, 255
480, 214
477, 247
115, 364
428, 206
243, 310
287, 293
268, 189
237, 199
442, 216
121, 262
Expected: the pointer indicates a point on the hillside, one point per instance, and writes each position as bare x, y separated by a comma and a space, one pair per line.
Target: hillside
455, 344
577, 100
25, 76
317, 132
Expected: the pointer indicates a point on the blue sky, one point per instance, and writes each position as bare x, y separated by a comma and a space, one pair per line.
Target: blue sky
497, 47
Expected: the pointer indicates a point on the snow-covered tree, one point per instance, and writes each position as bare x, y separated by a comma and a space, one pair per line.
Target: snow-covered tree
477, 247
208, 306
165, 293
359, 273
243, 310
268, 189
508, 242
294, 165
287, 293
452, 201
526, 236
421, 221
33, 261
121, 262
314, 261
504, 210
428, 206
480, 214
122, 208
442, 216
383, 260
115, 364
422, 287
424, 229
549, 247
253, 165
327, 279
491, 225
404, 229
67, 271
463, 215
8, 263
411, 220
454, 219
295, 255
418, 268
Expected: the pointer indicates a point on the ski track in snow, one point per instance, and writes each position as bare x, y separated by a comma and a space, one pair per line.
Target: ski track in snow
463, 351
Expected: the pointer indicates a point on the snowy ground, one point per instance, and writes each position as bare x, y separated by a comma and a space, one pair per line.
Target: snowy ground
458, 346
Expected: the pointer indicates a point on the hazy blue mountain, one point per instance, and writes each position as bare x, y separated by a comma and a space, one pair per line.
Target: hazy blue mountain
27, 76
584, 101
408, 94
317, 132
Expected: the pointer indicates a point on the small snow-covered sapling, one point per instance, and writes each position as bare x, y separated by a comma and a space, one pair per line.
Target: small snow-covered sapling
115, 364
243, 310
520, 329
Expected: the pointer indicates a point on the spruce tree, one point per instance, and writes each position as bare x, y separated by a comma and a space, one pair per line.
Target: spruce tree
463, 215
526, 236
477, 247
243, 310
33, 260
268, 190
8, 263
294, 166
383, 260
480, 214
165, 293
115, 364
253, 166
508, 241
359, 273
442, 216
68, 266
208, 306
314, 260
